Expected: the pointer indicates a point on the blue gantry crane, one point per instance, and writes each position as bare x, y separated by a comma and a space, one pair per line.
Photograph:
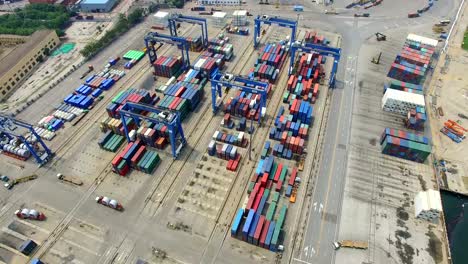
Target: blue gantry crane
219, 79
8, 125
153, 37
161, 116
192, 20
267, 20
322, 50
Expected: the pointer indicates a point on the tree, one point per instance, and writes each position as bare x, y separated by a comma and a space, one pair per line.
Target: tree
135, 16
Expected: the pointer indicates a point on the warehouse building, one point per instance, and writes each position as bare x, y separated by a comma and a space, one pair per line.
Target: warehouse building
17, 64
219, 2
11, 40
97, 6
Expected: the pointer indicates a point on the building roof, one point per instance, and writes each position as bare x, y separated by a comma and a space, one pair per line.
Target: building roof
161, 14
240, 13
219, 15
15, 55
95, 2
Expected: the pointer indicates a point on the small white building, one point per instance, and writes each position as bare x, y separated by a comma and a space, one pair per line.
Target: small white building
239, 18
427, 205
219, 19
161, 18
401, 102
219, 2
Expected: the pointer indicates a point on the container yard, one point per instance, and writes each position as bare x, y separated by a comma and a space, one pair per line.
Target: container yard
214, 146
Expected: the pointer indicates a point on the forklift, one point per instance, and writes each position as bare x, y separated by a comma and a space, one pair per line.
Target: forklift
380, 36
377, 61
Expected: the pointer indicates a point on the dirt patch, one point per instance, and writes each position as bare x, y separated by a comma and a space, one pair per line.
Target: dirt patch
434, 247
373, 141
402, 214
403, 234
422, 182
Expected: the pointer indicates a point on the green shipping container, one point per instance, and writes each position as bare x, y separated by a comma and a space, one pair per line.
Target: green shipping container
276, 196
271, 211
283, 173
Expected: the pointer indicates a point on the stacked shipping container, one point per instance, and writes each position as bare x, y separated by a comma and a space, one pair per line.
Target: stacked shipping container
305, 81
270, 62
167, 66
256, 222
405, 145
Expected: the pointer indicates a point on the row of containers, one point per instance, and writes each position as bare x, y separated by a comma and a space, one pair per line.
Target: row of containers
135, 156
366, 4
219, 51
132, 57
313, 37
182, 94
307, 75
405, 145
73, 106
229, 150
220, 45
261, 219
404, 91
419, 12
269, 62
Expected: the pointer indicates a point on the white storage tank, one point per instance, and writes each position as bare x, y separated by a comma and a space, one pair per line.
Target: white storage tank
239, 18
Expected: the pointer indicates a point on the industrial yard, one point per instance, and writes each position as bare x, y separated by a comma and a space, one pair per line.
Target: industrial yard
235, 149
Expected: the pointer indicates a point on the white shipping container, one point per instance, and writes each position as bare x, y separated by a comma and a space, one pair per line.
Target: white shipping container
401, 102
423, 40
215, 135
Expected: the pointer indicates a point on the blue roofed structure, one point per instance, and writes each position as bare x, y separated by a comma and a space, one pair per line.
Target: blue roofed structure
97, 5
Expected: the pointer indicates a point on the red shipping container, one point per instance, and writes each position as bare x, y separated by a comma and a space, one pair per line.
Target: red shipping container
279, 184
254, 178
124, 170
269, 183
251, 200
264, 179
141, 151
258, 230
229, 165
117, 159
278, 172
258, 198
293, 176
316, 89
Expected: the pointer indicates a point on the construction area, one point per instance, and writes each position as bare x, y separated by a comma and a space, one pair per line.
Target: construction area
205, 137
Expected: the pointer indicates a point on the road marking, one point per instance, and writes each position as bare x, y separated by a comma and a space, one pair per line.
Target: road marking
301, 261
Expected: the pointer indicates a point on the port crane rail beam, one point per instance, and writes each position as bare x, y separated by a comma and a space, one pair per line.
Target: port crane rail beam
9, 124
218, 80
322, 50
282, 22
192, 20
172, 121
153, 37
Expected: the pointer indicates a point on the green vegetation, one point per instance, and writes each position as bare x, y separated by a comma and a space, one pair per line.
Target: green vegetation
176, 3
465, 40
120, 27
34, 17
